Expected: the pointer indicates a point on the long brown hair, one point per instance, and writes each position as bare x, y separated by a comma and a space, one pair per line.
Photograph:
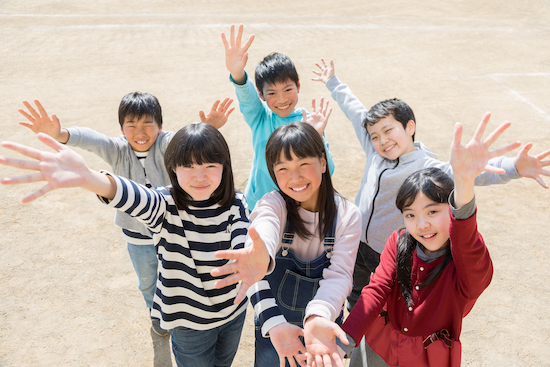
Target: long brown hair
304, 141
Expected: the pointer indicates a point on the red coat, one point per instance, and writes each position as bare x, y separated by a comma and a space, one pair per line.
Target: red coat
442, 305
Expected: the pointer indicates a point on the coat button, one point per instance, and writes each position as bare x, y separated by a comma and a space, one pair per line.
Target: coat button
410, 308
421, 268
405, 329
417, 287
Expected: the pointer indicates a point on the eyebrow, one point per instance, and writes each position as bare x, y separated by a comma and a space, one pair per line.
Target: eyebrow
268, 89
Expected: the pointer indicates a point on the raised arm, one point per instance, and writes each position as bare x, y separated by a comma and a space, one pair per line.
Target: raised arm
218, 114
470, 160
40, 122
63, 168
236, 55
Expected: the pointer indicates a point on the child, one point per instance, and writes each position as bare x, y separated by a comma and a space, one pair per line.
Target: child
430, 274
386, 134
200, 213
311, 234
267, 106
138, 155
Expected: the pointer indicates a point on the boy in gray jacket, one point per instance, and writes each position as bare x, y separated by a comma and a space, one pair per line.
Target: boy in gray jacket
386, 134
138, 154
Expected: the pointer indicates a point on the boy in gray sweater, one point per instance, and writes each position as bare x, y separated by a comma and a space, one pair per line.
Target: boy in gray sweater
137, 154
386, 134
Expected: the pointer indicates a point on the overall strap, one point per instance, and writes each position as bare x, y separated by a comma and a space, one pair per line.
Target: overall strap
330, 238
288, 237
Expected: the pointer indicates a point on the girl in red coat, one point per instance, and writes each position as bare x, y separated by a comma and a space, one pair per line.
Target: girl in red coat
430, 273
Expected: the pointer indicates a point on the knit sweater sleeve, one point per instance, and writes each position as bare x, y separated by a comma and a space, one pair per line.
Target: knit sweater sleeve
474, 268
110, 149
375, 294
352, 107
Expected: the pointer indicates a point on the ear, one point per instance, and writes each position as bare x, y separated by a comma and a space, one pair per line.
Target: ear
411, 128
323, 164
261, 95
298, 86
122, 130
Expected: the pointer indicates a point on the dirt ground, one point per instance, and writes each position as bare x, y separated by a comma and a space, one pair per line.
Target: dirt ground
69, 294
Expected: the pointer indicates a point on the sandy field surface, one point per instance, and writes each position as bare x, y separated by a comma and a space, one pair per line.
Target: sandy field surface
69, 293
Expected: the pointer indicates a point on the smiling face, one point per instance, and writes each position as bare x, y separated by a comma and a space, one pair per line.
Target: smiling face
141, 133
281, 97
390, 139
200, 180
428, 222
300, 178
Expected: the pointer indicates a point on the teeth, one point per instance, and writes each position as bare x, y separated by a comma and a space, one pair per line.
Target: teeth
299, 188
283, 107
388, 148
428, 235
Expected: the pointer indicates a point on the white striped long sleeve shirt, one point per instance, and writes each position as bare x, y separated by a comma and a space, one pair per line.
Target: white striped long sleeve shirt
186, 241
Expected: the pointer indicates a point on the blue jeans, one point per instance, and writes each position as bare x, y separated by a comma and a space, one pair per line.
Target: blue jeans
144, 259
207, 348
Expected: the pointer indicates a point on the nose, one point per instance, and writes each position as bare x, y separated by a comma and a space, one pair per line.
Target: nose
422, 223
200, 175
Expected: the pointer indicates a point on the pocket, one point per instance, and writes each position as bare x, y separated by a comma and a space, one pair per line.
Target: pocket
295, 291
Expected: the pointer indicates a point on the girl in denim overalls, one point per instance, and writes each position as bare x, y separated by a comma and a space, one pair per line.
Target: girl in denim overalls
311, 235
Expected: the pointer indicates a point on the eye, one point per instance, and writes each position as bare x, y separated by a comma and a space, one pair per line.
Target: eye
432, 212
409, 216
374, 138
388, 131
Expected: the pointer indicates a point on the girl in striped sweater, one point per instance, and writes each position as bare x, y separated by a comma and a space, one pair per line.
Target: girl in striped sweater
199, 214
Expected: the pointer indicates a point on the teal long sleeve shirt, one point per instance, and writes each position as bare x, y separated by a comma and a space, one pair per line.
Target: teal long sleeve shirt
263, 122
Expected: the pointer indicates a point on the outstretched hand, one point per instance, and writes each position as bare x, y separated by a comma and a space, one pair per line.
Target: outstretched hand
249, 265
218, 114
472, 159
325, 71
286, 341
60, 169
320, 338
235, 55
318, 118
40, 122
532, 166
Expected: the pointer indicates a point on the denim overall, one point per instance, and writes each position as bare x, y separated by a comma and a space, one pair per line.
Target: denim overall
294, 282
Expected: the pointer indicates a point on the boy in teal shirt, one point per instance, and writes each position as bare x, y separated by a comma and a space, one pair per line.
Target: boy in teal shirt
268, 105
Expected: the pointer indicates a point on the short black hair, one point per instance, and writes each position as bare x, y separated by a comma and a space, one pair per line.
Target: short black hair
275, 68
199, 143
399, 109
137, 104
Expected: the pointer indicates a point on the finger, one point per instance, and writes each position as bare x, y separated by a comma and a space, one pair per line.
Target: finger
31, 177
504, 150
232, 35
215, 105
40, 108
239, 36
496, 133
493, 169
332, 64
26, 124
202, 116
224, 40
51, 142
24, 113
229, 268
234, 278
249, 42
319, 360
301, 358
31, 109
54, 118
525, 150
304, 116
224, 104
241, 294
457, 136
21, 149
481, 127
337, 360
545, 172
308, 360
38, 193
328, 114
322, 107
542, 155
541, 182
291, 362
327, 360
313, 105
229, 112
